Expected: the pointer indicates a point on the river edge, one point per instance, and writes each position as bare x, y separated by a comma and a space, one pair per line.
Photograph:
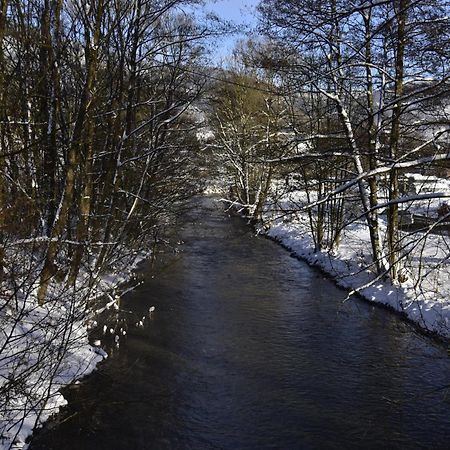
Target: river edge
299, 245
375, 295
440, 339
128, 430
310, 258
80, 360
99, 411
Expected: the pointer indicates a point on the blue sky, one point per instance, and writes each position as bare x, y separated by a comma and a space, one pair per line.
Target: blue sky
235, 10
239, 12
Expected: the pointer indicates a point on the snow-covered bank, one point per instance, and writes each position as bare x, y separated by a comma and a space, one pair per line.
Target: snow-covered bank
428, 308
424, 296
44, 348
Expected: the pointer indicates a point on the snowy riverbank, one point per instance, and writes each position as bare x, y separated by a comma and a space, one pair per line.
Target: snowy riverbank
44, 348
424, 296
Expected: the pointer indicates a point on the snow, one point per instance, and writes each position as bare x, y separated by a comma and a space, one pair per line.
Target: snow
424, 296
44, 348
36, 337
205, 135
428, 184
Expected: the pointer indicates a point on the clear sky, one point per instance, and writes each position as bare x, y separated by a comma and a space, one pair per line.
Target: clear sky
241, 13
235, 10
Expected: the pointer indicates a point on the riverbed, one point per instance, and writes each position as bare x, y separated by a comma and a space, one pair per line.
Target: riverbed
249, 348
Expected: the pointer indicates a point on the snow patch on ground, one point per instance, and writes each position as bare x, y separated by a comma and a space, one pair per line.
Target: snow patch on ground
44, 348
423, 184
425, 295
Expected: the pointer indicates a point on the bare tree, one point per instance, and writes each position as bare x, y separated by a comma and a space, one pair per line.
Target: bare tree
361, 56
98, 154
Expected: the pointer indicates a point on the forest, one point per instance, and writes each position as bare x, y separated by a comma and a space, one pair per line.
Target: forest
327, 129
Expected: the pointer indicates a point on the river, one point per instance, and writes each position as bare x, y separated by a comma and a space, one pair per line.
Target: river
249, 348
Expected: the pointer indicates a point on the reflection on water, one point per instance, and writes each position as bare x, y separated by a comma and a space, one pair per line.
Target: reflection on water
251, 349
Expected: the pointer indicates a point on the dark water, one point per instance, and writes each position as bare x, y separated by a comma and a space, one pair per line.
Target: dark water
251, 349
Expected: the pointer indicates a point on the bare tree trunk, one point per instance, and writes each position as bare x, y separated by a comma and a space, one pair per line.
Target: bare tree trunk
85, 207
61, 220
48, 87
257, 215
130, 122
368, 197
87, 192
320, 222
393, 221
3, 11
372, 219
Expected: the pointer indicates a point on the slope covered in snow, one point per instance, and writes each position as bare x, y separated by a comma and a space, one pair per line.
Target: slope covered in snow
423, 296
44, 348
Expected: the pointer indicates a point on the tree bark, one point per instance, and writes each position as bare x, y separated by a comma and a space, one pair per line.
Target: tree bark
61, 220
393, 222
3, 205
48, 88
372, 219
87, 191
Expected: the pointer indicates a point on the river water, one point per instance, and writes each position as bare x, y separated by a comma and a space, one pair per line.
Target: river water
249, 348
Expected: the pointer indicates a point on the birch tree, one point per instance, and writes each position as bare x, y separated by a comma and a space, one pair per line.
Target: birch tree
360, 56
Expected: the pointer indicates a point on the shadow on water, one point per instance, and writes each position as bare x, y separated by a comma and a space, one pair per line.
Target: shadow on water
250, 349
